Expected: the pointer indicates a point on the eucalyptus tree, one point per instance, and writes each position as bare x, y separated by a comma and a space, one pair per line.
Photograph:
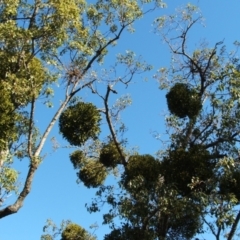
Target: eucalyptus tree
44, 44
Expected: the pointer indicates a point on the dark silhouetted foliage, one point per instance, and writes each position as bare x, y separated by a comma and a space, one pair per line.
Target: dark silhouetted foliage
183, 101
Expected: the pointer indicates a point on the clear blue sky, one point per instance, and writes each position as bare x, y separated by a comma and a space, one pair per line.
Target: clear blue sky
55, 193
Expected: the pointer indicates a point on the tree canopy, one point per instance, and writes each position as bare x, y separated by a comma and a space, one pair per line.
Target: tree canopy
192, 183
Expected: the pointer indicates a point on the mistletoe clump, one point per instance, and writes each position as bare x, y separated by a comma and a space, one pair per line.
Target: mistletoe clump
144, 166
77, 158
182, 165
92, 174
183, 101
80, 122
75, 232
109, 155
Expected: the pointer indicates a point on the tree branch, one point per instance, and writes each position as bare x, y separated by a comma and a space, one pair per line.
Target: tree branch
222, 140
33, 17
108, 118
234, 227
31, 128
50, 126
98, 54
210, 226
26, 190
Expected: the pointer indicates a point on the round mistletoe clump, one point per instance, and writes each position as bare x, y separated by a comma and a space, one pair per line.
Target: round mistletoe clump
183, 101
76, 232
77, 158
80, 122
109, 155
92, 174
145, 166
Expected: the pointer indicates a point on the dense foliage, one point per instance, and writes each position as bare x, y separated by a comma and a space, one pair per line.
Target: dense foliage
109, 155
79, 122
183, 101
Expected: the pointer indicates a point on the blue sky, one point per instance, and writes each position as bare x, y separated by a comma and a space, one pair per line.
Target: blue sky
55, 193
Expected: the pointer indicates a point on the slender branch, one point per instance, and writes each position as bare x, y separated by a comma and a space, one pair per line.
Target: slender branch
15, 19
188, 132
162, 226
210, 226
98, 54
213, 53
184, 36
51, 124
234, 227
181, 51
108, 118
147, 218
222, 140
33, 17
30, 130
218, 233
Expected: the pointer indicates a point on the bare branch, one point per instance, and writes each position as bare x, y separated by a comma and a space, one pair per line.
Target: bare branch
210, 227
113, 134
50, 126
98, 54
30, 130
13, 208
234, 227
